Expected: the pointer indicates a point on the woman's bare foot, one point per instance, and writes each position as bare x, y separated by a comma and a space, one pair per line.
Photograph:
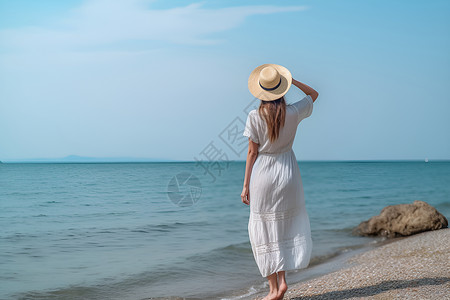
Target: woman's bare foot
273, 285
271, 296
282, 285
281, 290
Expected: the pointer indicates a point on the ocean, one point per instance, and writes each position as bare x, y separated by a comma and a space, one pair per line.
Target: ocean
176, 229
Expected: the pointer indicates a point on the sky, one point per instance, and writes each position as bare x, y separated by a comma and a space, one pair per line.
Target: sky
167, 80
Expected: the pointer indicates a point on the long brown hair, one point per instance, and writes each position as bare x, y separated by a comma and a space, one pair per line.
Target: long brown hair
274, 112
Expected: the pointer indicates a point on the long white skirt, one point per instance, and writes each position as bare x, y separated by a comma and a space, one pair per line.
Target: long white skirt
278, 227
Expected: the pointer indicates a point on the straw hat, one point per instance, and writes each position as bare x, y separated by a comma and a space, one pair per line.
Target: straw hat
269, 82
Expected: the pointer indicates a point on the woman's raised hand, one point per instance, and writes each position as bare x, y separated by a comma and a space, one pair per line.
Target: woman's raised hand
306, 89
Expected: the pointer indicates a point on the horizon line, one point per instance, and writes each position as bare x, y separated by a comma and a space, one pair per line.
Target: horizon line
112, 161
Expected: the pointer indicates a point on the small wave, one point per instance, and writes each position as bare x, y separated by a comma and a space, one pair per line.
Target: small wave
18, 193
169, 226
251, 291
238, 248
121, 213
19, 236
167, 211
346, 229
72, 292
348, 190
316, 260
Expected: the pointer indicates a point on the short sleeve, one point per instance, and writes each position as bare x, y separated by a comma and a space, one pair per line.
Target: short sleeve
250, 128
304, 107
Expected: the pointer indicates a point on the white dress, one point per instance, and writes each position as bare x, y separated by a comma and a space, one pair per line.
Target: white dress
278, 226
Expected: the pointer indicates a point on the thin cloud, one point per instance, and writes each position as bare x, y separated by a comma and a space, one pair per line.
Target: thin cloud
106, 23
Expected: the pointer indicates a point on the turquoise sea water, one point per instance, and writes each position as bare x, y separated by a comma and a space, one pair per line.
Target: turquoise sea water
135, 231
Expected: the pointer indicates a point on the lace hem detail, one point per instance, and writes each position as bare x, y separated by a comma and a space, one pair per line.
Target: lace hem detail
274, 216
298, 241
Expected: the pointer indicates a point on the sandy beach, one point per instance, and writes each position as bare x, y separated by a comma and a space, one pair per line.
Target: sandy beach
415, 267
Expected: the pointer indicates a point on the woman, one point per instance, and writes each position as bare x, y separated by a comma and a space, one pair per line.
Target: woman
278, 226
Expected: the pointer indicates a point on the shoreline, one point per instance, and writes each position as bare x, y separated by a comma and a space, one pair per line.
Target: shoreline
416, 267
331, 264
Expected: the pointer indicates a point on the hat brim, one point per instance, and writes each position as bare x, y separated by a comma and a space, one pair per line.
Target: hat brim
262, 94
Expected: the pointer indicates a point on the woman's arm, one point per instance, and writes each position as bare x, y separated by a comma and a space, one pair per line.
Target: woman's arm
251, 158
306, 89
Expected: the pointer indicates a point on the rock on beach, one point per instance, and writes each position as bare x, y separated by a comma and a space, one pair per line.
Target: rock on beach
403, 220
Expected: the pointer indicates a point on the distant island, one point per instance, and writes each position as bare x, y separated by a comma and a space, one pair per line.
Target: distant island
86, 159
